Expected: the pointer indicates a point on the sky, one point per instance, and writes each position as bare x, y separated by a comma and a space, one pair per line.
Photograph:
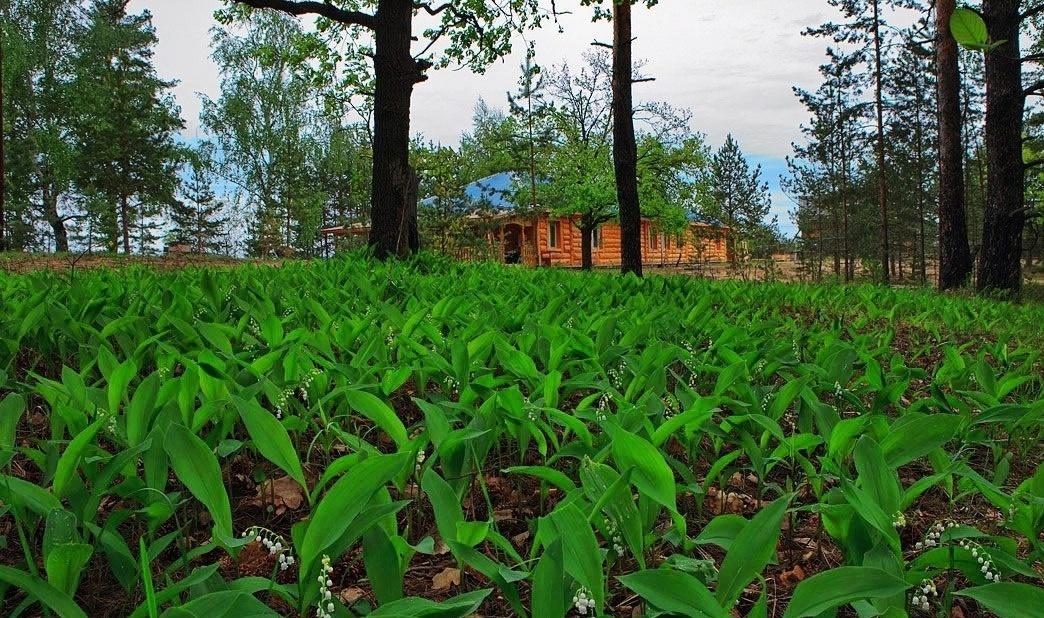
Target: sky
733, 63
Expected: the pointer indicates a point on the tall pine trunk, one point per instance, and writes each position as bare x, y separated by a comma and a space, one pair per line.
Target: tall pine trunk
625, 152
882, 183
1000, 268
3, 141
955, 261
393, 231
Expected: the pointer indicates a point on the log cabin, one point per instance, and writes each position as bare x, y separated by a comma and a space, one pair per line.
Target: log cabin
547, 239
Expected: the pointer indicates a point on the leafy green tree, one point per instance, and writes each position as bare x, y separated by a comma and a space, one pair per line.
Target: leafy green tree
625, 149
39, 118
265, 123
740, 199
127, 123
196, 219
475, 33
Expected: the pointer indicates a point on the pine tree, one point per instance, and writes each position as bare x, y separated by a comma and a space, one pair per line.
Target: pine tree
740, 200
126, 130
196, 219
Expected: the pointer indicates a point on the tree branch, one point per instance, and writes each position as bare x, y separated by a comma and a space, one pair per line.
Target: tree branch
1032, 11
304, 7
1033, 163
1034, 88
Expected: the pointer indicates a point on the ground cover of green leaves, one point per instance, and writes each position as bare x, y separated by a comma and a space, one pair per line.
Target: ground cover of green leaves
429, 438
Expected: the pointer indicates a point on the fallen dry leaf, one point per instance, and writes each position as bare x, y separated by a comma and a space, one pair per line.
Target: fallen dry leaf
448, 577
282, 493
793, 577
350, 595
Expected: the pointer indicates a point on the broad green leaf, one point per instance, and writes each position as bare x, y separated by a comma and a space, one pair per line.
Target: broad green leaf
549, 592
413, 607
270, 438
222, 604
580, 552
877, 477
751, 552
197, 468
381, 561
1008, 599
968, 28
343, 502
45, 593
118, 382
65, 565
674, 592
652, 476
69, 462
909, 440
545, 473
373, 408
840, 586
444, 503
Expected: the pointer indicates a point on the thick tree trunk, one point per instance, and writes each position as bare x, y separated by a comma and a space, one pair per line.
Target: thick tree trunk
1000, 269
625, 152
955, 263
395, 73
882, 184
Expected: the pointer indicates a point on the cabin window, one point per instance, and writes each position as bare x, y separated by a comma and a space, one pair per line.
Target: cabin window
667, 244
679, 241
596, 238
654, 240
553, 239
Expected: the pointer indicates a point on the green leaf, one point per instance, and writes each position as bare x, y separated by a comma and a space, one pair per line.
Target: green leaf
652, 476
222, 604
909, 440
381, 561
444, 504
837, 587
580, 552
549, 592
118, 382
65, 564
752, 550
343, 502
674, 592
270, 438
379, 412
545, 473
968, 28
413, 607
1008, 599
43, 592
879, 480
197, 468
11, 409
69, 462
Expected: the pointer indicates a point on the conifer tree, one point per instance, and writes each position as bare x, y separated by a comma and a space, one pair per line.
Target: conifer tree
196, 218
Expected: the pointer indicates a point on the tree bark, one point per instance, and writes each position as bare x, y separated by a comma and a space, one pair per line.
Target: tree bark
50, 209
586, 261
3, 141
395, 73
955, 262
125, 224
393, 219
1000, 268
882, 183
625, 152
